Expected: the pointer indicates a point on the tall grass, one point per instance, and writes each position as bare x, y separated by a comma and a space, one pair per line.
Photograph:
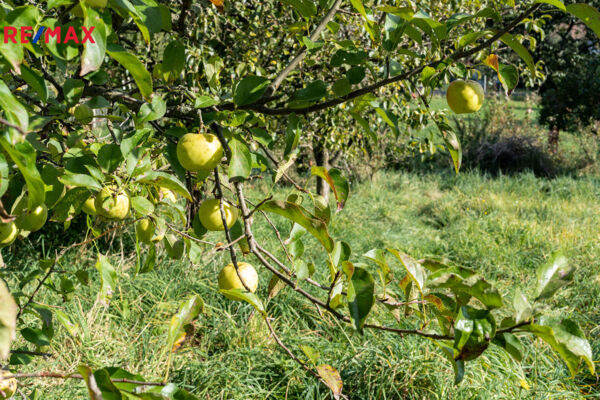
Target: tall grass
504, 227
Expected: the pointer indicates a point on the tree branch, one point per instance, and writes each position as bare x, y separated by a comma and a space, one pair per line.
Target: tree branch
300, 56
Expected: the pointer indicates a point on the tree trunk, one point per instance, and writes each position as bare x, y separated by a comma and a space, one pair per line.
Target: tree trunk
321, 154
553, 135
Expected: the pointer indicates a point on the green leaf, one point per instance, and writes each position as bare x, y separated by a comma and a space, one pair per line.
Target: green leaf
93, 53
341, 252
23, 155
553, 275
507, 74
314, 91
473, 331
8, 320
361, 296
73, 90
250, 298
188, 311
35, 81
13, 109
4, 177
465, 282
152, 111
90, 381
521, 50
106, 386
341, 57
341, 87
174, 59
142, 205
355, 75
415, 270
110, 157
457, 364
358, 6
249, 90
80, 180
511, 344
556, 3
163, 179
306, 8
588, 14
12, 52
523, 310
142, 77
568, 340
292, 134
332, 379
138, 18
240, 164
302, 217
312, 354
338, 184
108, 278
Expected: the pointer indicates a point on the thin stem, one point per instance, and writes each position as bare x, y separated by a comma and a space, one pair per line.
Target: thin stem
75, 376
300, 56
185, 235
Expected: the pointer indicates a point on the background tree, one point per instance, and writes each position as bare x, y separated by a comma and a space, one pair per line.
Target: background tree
570, 55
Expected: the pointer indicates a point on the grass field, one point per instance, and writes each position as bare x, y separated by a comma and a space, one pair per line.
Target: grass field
503, 227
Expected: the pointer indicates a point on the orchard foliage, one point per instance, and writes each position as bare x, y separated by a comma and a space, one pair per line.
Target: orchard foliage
91, 130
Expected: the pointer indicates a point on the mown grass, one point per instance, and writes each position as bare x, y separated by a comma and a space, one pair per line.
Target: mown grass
503, 227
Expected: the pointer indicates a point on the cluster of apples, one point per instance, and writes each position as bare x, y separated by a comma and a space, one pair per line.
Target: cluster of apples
202, 152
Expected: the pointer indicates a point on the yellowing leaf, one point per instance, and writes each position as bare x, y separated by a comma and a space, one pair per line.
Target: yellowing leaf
220, 4
492, 62
332, 379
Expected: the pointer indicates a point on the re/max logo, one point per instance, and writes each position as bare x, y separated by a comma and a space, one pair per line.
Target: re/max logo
56, 34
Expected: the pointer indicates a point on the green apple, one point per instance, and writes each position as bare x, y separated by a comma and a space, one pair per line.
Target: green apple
465, 96
145, 230
89, 207
199, 152
209, 214
83, 113
29, 220
8, 233
8, 387
112, 203
229, 279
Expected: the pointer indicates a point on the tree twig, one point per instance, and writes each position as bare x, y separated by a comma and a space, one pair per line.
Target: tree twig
300, 56
76, 376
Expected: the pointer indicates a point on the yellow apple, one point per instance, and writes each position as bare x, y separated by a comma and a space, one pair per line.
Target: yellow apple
89, 207
8, 387
145, 230
8, 233
199, 152
112, 203
168, 194
229, 279
465, 96
209, 214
